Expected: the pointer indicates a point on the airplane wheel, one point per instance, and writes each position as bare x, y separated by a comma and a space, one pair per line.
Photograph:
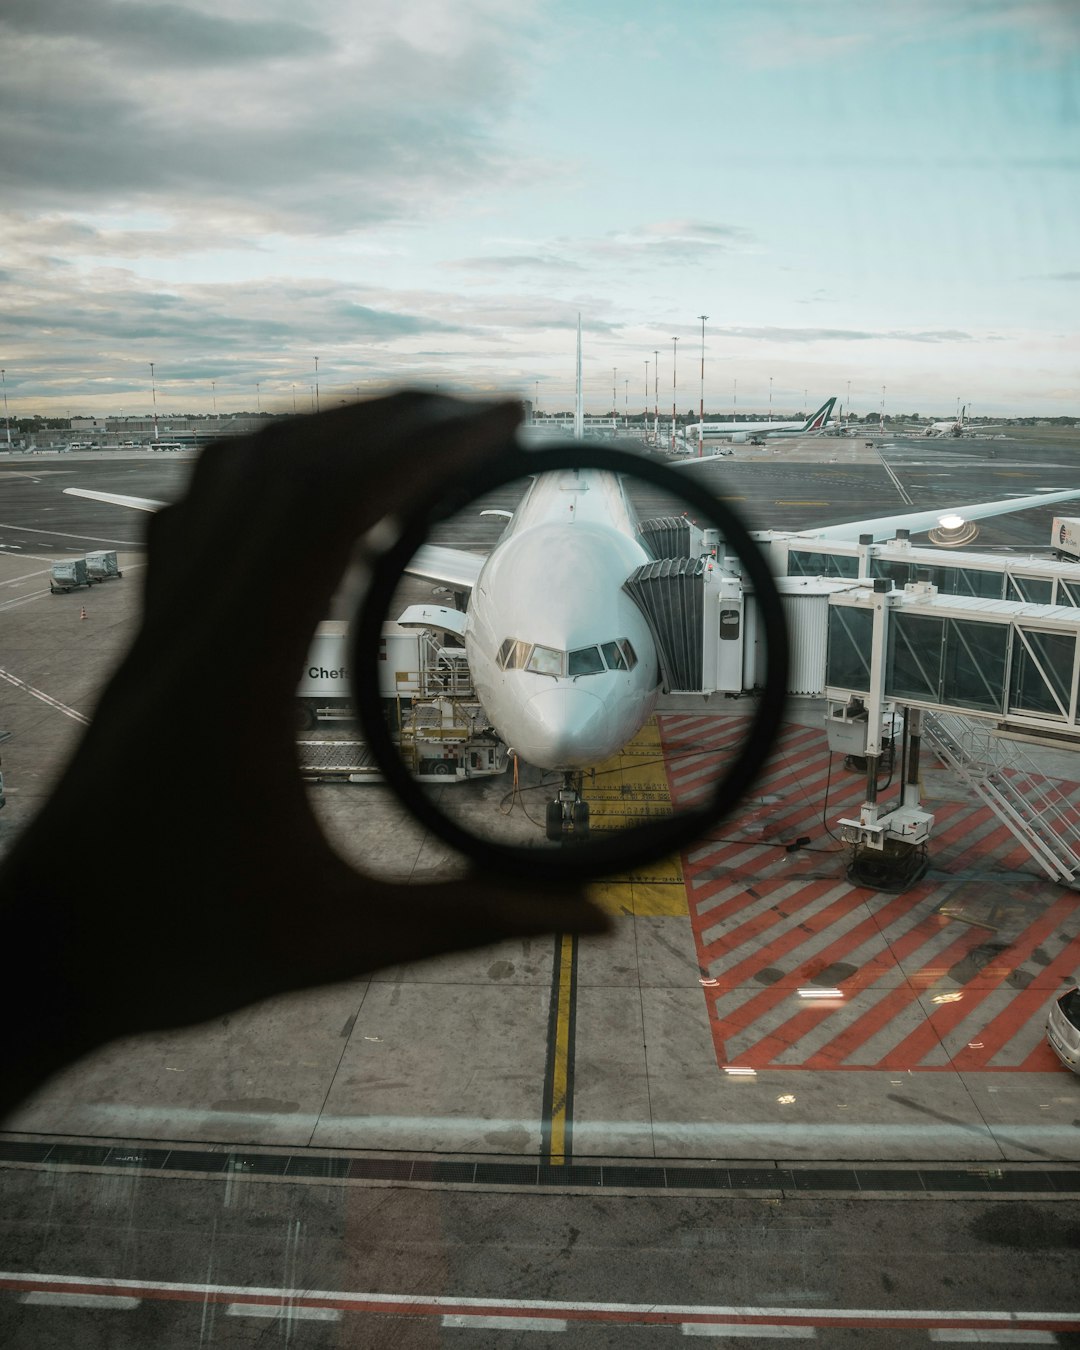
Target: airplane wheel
442, 767
553, 822
581, 818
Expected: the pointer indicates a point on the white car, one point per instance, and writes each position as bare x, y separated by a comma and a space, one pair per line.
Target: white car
1063, 1028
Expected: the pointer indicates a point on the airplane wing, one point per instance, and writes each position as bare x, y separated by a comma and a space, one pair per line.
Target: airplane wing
455, 566
703, 459
884, 527
117, 499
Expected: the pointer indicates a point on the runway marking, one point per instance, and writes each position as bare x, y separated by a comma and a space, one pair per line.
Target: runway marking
517, 1309
286, 1311
41, 1298
66, 534
23, 600
768, 922
462, 1322
756, 1329
45, 698
896, 482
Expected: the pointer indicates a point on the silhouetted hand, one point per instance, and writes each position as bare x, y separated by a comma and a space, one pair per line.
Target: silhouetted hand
177, 872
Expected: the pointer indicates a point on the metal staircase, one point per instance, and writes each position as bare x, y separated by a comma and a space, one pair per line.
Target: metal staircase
1033, 806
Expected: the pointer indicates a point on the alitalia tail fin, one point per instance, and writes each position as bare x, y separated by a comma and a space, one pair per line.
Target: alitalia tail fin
819, 420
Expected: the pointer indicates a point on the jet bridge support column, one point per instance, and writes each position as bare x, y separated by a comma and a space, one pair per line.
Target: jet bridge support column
888, 849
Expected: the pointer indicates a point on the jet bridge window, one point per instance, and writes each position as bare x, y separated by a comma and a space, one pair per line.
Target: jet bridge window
1035, 590
1068, 593
585, 661
802, 563
851, 633
1041, 675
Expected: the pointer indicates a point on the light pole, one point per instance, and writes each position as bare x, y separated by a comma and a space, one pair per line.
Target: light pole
536, 400
7, 420
645, 424
674, 387
848, 404
213, 395
294, 400
770, 398
614, 399
258, 397
656, 398
626, 403
734, 398
316, 384
701, 410
153, 392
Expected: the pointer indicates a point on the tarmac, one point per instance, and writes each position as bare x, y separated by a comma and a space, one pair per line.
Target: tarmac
687, 1034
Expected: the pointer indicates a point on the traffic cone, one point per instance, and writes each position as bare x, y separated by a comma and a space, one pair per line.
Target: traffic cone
82, 611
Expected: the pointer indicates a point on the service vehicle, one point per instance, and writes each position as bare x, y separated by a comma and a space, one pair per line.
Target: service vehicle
438, 721
1063, 1028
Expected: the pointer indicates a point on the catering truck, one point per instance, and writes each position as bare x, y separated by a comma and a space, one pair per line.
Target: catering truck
437, 720
1065, 538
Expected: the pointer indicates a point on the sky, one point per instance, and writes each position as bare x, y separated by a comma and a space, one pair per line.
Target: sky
878, 202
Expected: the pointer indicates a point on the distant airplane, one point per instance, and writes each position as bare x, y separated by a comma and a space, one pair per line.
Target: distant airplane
740, 432
956, 427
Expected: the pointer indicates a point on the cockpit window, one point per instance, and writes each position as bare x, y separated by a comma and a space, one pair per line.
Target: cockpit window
613, 656
514, 654
585, 661
546, 661
517, 655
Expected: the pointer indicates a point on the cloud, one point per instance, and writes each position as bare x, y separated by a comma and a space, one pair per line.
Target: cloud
498, 262
670, 241
842, 335
168, 34
361, 114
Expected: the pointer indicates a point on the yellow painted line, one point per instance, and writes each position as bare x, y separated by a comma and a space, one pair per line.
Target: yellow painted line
557, 1124
629, 787
807, 503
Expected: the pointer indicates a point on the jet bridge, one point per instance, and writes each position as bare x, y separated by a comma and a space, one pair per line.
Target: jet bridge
693, 602
985, 641
952, 661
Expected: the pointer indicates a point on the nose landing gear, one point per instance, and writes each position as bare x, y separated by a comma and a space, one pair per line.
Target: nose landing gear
567, 818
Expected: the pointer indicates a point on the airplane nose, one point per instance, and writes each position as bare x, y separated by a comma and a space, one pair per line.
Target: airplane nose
565, 728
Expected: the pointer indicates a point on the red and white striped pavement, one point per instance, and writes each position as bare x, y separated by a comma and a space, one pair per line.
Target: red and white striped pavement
913, 989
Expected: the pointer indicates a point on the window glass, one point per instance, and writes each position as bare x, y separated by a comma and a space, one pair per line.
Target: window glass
514, 654
848, 658
629, 655
585, 661
803, 563
1035, 590
613, 656
914, 657
546, 661
974, 666
1040, 680
1068, 593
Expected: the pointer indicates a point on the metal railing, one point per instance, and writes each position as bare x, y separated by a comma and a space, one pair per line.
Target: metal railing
1005, 778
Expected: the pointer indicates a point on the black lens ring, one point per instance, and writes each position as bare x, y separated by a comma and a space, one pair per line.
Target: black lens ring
625, 849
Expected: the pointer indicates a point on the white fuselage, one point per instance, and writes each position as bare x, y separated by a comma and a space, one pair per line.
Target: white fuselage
561, 657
